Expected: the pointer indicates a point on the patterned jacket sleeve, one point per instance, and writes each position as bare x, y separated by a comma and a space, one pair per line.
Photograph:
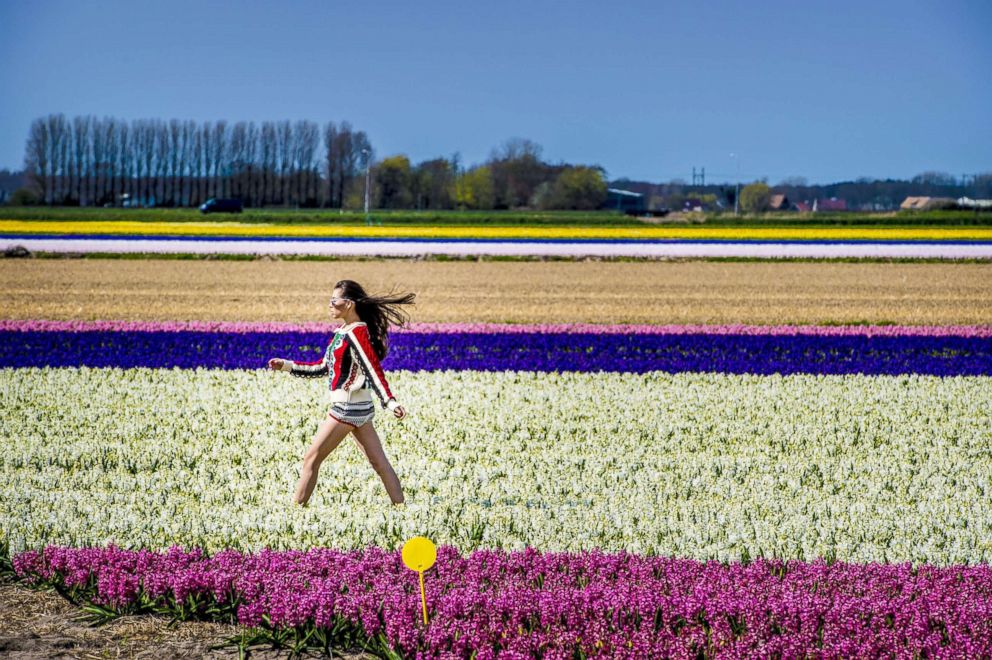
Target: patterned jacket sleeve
367, 360
316, 369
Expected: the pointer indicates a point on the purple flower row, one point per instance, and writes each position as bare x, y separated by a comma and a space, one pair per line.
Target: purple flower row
556, 605
942, 355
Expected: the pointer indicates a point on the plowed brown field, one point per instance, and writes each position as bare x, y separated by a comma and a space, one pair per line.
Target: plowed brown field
520, 292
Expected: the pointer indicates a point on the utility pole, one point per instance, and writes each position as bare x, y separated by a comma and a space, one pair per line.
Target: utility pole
701, 178
737, 193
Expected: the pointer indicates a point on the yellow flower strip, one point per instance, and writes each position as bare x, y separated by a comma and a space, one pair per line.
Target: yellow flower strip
131, 228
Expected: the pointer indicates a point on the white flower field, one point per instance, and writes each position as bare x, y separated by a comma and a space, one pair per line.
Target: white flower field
707, 466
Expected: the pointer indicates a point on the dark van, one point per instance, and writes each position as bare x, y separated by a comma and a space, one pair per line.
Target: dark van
221, 206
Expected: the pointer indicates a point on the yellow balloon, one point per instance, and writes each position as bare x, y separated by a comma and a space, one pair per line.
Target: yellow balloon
419, 553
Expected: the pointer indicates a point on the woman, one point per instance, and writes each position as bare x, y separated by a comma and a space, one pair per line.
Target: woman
351, 362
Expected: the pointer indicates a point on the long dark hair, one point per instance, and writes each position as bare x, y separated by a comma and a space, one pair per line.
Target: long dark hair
377, 312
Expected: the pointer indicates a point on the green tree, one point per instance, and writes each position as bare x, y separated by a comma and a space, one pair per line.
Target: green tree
475, 189
578, 188
517, 170
432, 184
354, 194
393, 183
755, 198
23, 197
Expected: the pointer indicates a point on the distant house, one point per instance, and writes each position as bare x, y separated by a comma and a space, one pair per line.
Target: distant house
911, 203
968, 203
624, 200
692, 204
920, 203
832, 204
804, 207
779, 203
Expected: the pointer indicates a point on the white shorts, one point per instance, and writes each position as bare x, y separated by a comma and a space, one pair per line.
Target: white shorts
354, 414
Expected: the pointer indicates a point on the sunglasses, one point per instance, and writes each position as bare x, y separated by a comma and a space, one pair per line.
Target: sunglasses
335, 301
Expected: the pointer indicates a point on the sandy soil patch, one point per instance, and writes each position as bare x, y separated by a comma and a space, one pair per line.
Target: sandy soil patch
517, 292
42, 624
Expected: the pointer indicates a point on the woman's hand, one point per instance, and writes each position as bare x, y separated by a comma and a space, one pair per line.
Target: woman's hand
276, 364
399, 412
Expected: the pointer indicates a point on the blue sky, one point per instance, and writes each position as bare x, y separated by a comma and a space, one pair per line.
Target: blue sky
826, 90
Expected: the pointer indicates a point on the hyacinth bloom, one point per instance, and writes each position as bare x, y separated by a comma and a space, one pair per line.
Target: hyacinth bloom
723, 349
696, 465
527, 603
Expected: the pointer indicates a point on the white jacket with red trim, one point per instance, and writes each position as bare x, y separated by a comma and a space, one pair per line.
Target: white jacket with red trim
350, 363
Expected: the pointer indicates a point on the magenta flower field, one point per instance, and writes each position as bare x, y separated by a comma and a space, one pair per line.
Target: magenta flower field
528, 604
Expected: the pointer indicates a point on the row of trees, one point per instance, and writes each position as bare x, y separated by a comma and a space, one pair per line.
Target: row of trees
514, 176
89, 161
881, 195
862, 194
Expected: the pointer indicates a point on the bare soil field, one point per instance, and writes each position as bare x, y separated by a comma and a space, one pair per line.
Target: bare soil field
42, 624
761, 293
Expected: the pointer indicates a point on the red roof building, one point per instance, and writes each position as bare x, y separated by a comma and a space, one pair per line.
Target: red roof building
832, 204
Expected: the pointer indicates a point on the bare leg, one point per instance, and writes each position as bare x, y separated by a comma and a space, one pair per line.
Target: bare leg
329, 435
368, 440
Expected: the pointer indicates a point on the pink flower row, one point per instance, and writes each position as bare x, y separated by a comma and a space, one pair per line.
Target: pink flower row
525, 604
499, 328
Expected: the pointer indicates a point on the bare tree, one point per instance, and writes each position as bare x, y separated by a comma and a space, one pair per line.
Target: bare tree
148, 161
137, 141
174, 154
284, 148
235, 159
330, 161
517, 171
37, 161
342, 153
299, 166
251, 158
96, 164
268, 147
306, 140
206, 160
71, 174
347, 159
201, 156
99, 169
141, 147
433, 184
81, 149
218, 145
88, 161
160, 141
57, 156
122, 158
185, 166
